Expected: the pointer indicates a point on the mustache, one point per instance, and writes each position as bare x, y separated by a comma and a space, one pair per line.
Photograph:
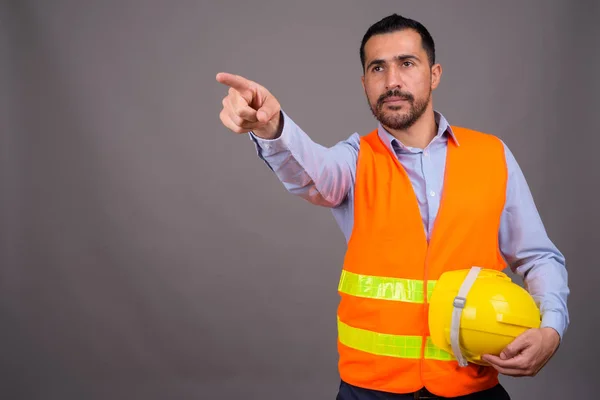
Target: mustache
395, 93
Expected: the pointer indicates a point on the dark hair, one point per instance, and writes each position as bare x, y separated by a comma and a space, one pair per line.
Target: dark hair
394, 23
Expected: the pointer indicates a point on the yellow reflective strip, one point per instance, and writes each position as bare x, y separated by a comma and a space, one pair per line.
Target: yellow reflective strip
382, 344
430, 286
384, 288
435, 353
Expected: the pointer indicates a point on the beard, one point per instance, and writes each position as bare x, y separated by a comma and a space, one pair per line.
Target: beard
392, 120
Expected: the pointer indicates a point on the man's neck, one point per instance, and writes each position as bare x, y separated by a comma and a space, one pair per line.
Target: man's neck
420, 134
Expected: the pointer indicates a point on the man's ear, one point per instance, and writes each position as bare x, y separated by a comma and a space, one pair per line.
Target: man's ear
436, 75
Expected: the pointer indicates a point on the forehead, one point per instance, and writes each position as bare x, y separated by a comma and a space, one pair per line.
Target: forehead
388, 45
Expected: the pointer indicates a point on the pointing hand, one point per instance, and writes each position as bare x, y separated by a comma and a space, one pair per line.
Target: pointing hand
250, 107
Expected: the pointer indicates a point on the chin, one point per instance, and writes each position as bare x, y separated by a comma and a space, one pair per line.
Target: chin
396, 115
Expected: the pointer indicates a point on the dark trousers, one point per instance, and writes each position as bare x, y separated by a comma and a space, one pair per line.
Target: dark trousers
350, 392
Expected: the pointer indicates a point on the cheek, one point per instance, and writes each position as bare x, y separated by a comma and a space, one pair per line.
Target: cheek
420, 87
425, 82
374, 89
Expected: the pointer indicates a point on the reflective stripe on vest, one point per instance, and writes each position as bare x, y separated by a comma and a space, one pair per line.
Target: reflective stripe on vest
384, 288
382, 344
394, 289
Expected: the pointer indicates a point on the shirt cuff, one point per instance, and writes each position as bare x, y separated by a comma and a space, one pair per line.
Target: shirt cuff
555, 320
269, 147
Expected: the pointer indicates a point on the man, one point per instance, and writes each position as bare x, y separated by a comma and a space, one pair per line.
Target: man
388, 190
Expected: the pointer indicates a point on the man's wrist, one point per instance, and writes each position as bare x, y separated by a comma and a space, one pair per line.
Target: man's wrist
272, 129
556, 320
551, 335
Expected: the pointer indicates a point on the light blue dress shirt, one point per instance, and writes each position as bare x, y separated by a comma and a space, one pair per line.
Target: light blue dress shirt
325, 176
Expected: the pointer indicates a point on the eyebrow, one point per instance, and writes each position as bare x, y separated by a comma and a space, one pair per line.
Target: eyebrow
401, 57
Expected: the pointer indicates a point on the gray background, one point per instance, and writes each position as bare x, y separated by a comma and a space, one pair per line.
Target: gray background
146, 252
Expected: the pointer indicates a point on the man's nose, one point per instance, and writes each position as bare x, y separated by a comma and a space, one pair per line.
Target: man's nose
393, 79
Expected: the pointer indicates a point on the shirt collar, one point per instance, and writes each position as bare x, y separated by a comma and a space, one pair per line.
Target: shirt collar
443, 127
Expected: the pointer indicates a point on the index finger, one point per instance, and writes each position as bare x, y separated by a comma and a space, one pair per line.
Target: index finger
237, 82
517, 362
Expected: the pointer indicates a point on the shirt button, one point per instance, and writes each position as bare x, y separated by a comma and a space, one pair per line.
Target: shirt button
267, 146
432, 193
426, 153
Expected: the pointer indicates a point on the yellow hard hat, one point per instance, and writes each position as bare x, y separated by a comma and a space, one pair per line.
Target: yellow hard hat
479, 311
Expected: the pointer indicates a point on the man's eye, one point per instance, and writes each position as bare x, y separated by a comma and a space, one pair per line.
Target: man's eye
377, 68
408, 63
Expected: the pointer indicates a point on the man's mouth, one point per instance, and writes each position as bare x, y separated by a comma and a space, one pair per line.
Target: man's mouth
394, 100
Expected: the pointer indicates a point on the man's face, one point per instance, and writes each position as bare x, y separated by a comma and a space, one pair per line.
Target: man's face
398, 79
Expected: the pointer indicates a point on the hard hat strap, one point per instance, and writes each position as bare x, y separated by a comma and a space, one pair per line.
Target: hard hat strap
459, 304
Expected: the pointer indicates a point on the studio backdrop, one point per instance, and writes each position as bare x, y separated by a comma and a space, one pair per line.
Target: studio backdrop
147, 252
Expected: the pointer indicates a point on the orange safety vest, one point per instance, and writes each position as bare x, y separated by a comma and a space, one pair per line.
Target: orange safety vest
390, 268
